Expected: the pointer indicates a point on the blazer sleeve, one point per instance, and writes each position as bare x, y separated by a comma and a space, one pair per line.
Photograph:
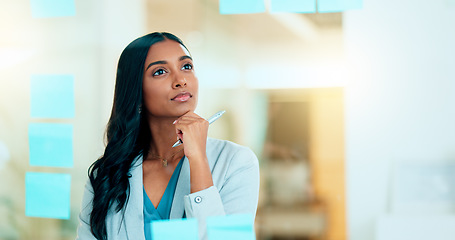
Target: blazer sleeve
83, 230
238, 194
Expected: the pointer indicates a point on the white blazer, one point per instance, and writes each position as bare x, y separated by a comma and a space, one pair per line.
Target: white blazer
235, 174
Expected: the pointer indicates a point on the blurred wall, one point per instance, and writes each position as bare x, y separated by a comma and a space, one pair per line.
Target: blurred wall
87, 46
400, 100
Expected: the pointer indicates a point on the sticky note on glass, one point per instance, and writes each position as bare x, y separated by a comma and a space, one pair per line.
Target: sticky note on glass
51, 144
47, 195
293, 6
52, 8
175, 229
237, 227
52, 96
241, 6
338, 5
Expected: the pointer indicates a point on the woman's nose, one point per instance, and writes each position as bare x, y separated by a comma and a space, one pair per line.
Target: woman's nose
179, 81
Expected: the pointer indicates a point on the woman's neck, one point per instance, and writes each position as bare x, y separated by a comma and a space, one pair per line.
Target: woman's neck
163, 136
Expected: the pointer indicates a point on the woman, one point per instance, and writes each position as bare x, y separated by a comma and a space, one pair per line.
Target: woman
141, 177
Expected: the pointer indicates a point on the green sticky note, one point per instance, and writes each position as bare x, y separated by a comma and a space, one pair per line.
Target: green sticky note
293, 6
175, 229
52, 8
52, 96
238, 227
51, 144
47, 195
241, 6
338, 5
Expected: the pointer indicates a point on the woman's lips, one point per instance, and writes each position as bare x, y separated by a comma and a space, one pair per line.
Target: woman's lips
182, 97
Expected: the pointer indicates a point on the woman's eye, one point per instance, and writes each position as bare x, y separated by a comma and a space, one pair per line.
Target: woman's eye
158, 72
187, 66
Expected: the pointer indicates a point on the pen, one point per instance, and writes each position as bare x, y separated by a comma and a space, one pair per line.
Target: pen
211, 119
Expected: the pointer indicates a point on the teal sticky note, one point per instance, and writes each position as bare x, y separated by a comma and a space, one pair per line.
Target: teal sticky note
241, 6
47, 195
52, 96
52, 8
175, 229
294, 6
239, 227
51, 144
338, 5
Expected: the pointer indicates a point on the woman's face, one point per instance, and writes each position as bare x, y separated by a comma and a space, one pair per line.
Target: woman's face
170, 86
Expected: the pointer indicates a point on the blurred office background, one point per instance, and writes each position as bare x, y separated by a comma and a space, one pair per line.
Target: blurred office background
351, 113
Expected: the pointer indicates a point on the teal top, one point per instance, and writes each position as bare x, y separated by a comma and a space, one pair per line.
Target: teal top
164, 207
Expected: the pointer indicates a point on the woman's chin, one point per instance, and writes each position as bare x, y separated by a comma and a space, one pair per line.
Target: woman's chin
181, 111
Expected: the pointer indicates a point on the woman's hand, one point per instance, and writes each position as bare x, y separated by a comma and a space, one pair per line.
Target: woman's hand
192, 130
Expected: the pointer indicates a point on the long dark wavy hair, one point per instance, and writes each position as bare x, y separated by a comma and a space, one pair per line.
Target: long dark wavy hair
127, 134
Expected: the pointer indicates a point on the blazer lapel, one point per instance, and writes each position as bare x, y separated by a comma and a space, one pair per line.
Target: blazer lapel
134, 217
182, 189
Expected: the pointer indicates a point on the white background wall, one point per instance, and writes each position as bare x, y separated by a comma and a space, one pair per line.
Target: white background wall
400, 100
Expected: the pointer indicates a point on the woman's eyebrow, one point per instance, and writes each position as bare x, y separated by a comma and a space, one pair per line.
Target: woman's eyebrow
155, 63
185, 57
164, 62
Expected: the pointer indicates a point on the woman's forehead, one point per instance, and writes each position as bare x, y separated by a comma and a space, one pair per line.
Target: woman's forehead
166, 50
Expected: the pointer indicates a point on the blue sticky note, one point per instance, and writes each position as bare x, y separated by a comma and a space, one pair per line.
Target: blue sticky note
239, 227
52, 96
47, 195
51, 144
294, 6
52, 8
241, 6
175, 229
338, 5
